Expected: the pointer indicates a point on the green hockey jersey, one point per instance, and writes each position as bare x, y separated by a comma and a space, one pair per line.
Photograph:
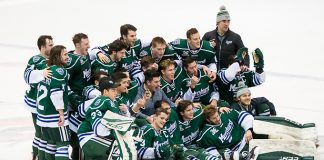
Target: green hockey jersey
228, 133
173, 90
189, 130
203, 90
205, 55
79, 69
169, 53
48, 116
228, 88
33, 75
172, 126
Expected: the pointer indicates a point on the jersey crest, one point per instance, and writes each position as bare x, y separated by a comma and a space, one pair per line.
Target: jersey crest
214, 131
69, 61
36, 59
143, 53
176, 42
97, 102
60, 71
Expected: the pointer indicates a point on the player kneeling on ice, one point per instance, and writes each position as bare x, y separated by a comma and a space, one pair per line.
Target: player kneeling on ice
227, 134
104, 126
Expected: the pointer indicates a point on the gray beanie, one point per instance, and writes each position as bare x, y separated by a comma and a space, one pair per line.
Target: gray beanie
222, 14
242, 88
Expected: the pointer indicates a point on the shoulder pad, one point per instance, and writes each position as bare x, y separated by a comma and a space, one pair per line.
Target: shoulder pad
176, 42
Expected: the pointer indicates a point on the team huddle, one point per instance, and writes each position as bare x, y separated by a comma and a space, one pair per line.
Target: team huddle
129, 99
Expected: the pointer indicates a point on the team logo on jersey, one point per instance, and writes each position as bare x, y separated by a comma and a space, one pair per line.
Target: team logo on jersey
36, 59
87, 74
143, 53
185, 53
213, 131
97, 102
188, 84
176, 42
228, 42
60, 71
168, 90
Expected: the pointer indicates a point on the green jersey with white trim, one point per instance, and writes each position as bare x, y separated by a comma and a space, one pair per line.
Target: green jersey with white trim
109, 67
205, 55
48, 116
227, 134
169, 53
79, 69
173, 90
172, 126
203, 89
189, 130
37, 62
227, 90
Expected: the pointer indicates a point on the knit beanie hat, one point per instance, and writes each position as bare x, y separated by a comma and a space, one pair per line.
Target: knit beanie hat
242, 88
222, 14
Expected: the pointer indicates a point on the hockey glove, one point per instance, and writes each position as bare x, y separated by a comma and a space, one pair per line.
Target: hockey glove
163, 151
178, 151
258, 58
241, 54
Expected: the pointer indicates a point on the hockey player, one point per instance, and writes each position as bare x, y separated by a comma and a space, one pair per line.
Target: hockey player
96, 139
227, 134
151, 92
156, 142
134, 45
199, 50
159, 50
197, 81
255, 106
115, 53
52, 109
35, 72
229, 78
171, 79
190, 122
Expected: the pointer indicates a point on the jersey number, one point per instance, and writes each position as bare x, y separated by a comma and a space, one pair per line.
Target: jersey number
43, 91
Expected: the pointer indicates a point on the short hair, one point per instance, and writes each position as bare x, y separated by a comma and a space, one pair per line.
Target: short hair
97, 75
125, 28
118, 76
158, 40
191, 31
55, 56
42, 40
158, 111
150, 74
159, 103
209, 111
165, 64
183, 105
187, 61
78, 37
147, 61
116, 45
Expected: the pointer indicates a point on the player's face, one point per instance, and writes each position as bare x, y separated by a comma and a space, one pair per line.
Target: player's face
123, 86
188, 113
245, 99
84, 46
169, 72
167, 107
223, 25
214, 119
160, 120
131, 38
120, 54
64, 56
111, 93
194, 41
48, 46
154, 84
192, 69
158, 50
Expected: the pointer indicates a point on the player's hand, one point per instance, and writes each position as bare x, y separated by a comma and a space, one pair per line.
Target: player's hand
212, 76
212, 43
147, 95
248, 136
177, 101
61, 119
150, 119
240, 54
258, 58
194, 81
224, 109
103, 58
196, 105
47, 73
244, 68
205, 69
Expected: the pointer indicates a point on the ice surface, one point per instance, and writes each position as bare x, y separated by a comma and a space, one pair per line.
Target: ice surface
290, 33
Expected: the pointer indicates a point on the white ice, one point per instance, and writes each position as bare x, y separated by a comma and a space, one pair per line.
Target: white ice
290, 33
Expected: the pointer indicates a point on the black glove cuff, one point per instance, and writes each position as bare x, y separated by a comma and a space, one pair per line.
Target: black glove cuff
259, 70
